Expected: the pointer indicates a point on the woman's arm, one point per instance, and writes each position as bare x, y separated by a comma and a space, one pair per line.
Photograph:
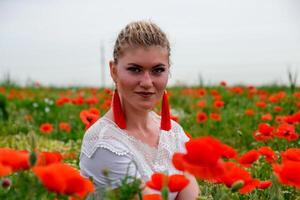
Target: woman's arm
103, 159
191, 191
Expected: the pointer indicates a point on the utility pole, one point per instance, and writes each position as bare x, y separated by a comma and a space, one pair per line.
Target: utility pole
102, 64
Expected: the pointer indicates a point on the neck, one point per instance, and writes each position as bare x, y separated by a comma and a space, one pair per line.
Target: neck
135, 119
138, 120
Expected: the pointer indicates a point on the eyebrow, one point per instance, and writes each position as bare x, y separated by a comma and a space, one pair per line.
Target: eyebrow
158, 65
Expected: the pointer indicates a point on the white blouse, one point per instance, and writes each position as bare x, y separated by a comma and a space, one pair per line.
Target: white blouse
107, 147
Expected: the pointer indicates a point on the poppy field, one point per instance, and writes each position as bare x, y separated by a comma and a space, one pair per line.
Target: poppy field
244, 142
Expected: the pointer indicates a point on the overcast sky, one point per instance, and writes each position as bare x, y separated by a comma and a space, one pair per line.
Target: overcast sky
57, 42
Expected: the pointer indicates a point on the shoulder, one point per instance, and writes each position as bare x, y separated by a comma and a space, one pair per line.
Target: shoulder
176, 129
180, 136
174, 139
106, 167
179, 131
102, 134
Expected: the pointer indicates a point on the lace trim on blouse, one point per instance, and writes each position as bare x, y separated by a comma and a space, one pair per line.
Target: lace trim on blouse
106, 134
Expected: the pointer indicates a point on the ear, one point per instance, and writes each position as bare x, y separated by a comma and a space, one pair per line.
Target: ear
113, 70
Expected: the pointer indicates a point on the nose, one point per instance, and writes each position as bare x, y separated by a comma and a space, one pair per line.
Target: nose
146, 80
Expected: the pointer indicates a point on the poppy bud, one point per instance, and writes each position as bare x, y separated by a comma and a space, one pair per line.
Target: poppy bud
6, 183
237, 185
105, 172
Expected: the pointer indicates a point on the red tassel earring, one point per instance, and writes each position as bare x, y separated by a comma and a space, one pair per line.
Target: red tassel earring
165, 123
117, 111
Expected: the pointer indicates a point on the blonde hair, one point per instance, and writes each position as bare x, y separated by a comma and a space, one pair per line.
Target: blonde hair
140, 34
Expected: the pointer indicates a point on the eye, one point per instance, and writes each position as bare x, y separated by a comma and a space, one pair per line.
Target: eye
134, 69
158, 70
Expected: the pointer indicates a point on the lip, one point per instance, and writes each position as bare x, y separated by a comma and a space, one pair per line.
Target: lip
145, 94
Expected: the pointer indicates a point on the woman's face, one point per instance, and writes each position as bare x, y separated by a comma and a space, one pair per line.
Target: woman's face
141, 76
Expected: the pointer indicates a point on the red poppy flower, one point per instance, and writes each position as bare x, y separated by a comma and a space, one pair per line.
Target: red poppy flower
249, 112
237, 90
106, 104
63, 126
251, 87
2, 90
215, 116
261, 104
62, 101
233, 173
277, 109
274, 98
203, 158
249, 158
175, 182
63, 179
228, 151
264, 132
79, 100
289, 119
291, 154
108, 91
292, 119
15, 159
200, 92
91, 101
268, 152
88, 117
5, 170
204, 172
177, 160
214, 92
46, 128
47, 158
217, 98
152, 197
267, 117
204, 150
264, 184
249, 186
297, 116
201, 117
94, 111
288, 173
287, 132
280, 119
251, 91
297, 95
263, 94
201, 104
218, 103
223, 83
158, 181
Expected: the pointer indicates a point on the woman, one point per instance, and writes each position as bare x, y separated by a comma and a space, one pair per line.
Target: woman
130, 132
